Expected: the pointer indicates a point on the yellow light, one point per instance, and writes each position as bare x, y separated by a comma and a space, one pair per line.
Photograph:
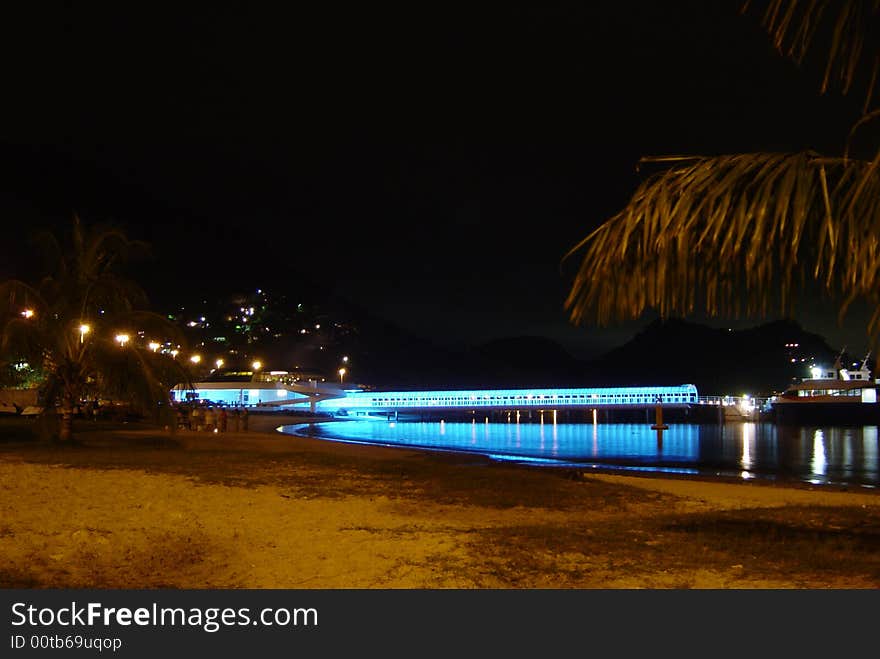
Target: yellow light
257, 365
122, 339
195, 359
219, 363
83, 330
174, 353
153, 346
341, 374
28, 313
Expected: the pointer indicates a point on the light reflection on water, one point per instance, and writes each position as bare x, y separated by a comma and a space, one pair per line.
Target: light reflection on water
845, 455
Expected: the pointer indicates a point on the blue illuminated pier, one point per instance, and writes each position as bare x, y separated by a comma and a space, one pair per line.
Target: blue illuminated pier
354, 402
614, 403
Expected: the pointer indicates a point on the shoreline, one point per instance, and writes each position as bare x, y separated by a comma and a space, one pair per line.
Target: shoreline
586, 469
676, 483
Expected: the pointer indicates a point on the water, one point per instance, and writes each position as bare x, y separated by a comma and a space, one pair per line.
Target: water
829, 455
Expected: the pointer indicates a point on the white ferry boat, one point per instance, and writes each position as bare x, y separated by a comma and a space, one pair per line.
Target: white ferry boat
837, 396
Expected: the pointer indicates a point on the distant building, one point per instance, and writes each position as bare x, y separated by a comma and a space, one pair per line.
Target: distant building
246, 389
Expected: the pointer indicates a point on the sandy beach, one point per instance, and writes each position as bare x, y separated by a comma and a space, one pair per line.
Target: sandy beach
141, 508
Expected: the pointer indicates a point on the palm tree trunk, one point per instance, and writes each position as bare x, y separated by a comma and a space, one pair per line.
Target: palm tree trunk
65, 432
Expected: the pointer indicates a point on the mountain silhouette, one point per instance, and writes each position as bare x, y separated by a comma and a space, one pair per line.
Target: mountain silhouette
758, 361
380, 354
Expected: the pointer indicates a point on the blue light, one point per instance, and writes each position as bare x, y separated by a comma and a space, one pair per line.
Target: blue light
511, 398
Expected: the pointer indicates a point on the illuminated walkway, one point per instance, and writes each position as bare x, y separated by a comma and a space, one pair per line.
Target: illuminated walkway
501, 399
331, 398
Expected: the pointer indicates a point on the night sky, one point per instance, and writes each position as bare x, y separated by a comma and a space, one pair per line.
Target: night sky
432, 164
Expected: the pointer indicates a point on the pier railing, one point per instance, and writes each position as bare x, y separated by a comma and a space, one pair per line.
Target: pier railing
726, 401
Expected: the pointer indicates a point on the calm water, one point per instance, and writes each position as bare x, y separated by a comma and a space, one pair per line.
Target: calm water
834, 455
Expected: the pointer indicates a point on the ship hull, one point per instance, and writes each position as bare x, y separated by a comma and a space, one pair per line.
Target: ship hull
826, 414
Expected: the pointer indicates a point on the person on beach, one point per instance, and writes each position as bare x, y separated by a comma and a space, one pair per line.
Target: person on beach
210, 419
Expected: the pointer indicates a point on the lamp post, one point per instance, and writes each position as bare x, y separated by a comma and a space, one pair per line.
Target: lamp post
83, 330
122, 339
341, 374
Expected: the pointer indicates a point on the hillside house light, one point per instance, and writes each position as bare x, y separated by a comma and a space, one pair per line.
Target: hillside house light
28, 313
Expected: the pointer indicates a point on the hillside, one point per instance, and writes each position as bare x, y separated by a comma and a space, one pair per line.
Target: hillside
322, 333
758, 360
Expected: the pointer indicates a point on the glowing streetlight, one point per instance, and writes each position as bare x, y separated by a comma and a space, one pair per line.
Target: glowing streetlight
341, 374
257, 365
122, 339
28, 313
195, 359
153, 346
345, 359
219, 363
174, 353
83, 330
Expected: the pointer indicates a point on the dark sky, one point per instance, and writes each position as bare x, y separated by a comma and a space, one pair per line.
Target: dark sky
431, 163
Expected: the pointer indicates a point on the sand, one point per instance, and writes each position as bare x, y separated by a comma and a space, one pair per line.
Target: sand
258, 511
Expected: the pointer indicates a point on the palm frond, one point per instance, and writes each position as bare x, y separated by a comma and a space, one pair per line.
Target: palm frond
16, 295
846, 31
157, 325
48, 248
734, 235
137, 376
106, 246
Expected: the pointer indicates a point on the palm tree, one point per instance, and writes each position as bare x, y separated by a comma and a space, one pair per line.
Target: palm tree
750, 233
80, 325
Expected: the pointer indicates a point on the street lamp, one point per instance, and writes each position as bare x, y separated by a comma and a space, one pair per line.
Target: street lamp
122, 339
195, 359
153, 346
28, 313
257, 365
341, 374
219, 363
83, 330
